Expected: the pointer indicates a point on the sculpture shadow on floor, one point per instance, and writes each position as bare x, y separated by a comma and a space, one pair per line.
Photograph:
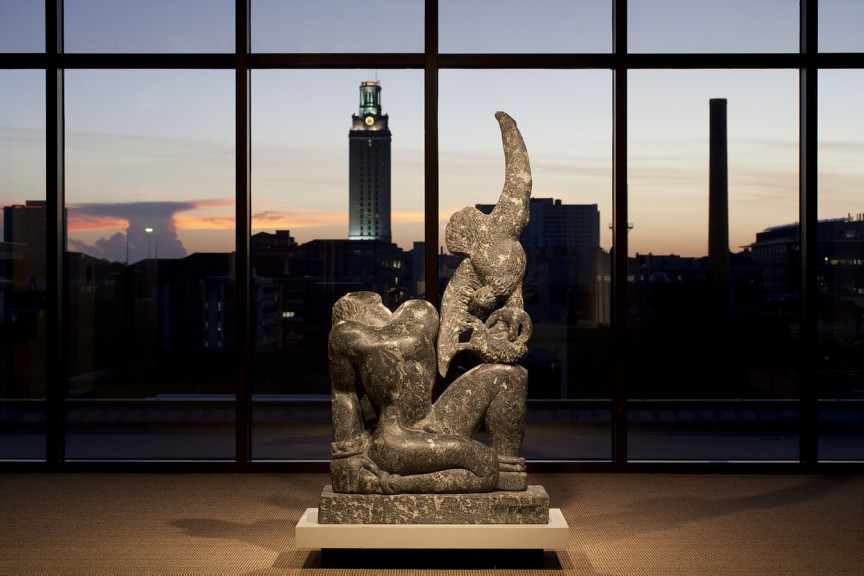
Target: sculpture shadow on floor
273, 535
665, 513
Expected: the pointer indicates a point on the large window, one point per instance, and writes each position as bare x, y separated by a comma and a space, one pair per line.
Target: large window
317, 180
567, 240
337, 26
736, 26
514, 26
713, 191
150, 274
841, 266
188, 186
138, 26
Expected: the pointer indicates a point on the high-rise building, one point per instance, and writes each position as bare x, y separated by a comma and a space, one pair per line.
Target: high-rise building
718, 193
369, 169
24, 238
562, 246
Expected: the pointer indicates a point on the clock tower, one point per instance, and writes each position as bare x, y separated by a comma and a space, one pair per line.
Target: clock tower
369, 169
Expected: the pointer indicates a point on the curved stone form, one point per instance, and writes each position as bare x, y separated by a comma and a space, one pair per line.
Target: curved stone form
493, 268
389, 437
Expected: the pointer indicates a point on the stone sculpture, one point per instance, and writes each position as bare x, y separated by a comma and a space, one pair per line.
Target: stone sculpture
492, 270
389, 436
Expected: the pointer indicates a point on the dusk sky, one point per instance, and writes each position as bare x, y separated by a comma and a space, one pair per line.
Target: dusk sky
155, 148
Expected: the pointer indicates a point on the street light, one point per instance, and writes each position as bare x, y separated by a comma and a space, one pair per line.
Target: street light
149, 232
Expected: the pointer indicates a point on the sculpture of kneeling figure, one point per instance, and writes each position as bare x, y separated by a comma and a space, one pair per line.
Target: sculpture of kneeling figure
389, 437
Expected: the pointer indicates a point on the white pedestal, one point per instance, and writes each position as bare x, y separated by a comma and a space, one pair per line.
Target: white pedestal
310, 534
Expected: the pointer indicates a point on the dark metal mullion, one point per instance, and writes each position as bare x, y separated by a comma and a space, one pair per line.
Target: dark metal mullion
634, 61
714, 61
430, 176
526, 61
242, 267
331, 61
147, 61
409, 60
834, 60
24, 61
619, 233
808, 216
55, 224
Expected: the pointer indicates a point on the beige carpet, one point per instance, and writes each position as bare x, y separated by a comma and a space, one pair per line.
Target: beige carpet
619, 524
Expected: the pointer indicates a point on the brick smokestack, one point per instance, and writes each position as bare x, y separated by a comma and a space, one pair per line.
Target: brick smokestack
718, 192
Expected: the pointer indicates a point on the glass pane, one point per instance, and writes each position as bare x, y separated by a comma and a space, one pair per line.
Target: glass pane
712, 26
337, 26
309, 248
840, 26
22, 26
565, 121
150, 208
22, 264
149, 26
714, 295
841, 265
515, 26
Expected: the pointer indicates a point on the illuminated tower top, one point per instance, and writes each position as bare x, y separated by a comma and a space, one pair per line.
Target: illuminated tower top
370, 116
369, 169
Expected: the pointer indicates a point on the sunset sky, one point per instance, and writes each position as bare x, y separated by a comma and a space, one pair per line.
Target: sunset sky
155, 149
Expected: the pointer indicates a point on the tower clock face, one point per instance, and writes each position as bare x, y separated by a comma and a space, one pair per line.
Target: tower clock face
369, 120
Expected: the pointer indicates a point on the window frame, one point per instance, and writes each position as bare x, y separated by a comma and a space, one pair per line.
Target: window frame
807, 61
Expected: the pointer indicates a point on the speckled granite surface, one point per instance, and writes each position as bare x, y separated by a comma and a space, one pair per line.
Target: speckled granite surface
525, 507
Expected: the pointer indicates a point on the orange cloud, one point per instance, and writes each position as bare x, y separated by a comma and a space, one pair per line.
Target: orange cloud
273, 219
406, 217
214, 203
199, 222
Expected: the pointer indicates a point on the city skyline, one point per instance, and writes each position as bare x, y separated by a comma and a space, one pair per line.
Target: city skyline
201, 219
160, 143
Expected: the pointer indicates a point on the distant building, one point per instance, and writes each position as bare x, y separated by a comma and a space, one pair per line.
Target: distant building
272, 253
369, 169
23, 301
24, 245
341, 266
562, 244
840, 261
556, 225
565, 290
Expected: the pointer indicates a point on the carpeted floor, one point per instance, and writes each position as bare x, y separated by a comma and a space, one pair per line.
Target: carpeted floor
619, 524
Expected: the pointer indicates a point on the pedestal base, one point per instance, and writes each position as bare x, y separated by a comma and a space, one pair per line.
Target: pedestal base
529, 506
488, 530
553, 535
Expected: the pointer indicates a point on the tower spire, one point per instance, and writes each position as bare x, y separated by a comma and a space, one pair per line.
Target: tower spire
369, 168
718, 193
